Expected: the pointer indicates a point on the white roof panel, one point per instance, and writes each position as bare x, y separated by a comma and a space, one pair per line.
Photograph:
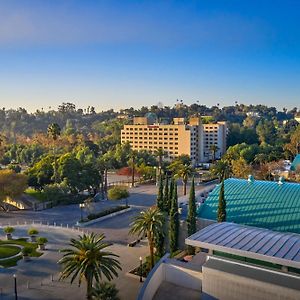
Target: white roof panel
257, 243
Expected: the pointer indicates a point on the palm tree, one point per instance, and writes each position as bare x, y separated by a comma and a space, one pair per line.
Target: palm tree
222, 169
149, 222
132, 159
213, 148
184, 171
160, 154
53, 131
88, 260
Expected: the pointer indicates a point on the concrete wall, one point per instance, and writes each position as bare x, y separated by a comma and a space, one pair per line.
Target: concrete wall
227, 286
170, 272
183, 277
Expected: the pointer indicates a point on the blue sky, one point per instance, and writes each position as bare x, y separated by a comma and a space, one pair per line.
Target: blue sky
117, 54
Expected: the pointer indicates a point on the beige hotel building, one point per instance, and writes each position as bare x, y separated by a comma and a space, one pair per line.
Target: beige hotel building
194, 138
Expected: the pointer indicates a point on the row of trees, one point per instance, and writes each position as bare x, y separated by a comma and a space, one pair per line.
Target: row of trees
164, 217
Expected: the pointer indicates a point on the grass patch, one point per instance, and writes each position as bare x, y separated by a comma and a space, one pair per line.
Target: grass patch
10, 262
38, 195
22, 242
8, 251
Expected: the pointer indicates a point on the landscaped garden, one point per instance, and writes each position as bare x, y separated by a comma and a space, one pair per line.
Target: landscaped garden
12, 250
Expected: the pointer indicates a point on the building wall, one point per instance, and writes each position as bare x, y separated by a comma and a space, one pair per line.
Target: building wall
227, 286
174, 139
171, 271
193, 139
214, 134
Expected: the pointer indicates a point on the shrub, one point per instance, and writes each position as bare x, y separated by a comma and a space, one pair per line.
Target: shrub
105, 290
8, 229
42, 240
32, 231
117, 193
26, 251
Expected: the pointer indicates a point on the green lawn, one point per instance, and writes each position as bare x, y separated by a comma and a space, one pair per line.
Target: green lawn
40, 196
8, 251
5, 248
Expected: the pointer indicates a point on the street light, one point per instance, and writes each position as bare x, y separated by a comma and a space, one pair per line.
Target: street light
81, 205
16, 291
141, 269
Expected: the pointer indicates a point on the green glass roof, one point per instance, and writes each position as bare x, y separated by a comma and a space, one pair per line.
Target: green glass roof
265, 204
295, 163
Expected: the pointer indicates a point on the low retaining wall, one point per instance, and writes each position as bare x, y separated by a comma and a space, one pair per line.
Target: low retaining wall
103, 218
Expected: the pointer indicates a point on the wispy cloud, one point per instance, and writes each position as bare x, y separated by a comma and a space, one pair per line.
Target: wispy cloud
66, 24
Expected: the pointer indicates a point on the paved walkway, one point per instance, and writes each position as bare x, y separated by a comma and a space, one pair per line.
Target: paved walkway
38, 273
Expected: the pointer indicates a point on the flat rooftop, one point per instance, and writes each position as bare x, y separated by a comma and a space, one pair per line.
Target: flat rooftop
251, 242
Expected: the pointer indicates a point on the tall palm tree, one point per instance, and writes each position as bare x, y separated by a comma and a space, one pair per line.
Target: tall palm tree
213, 148
184, 172
160, 154
149, 222
222, 169
54, 131
88, 260
132, 163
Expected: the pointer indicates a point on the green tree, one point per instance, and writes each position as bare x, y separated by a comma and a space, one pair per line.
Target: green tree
88, 259
118, 193
221, 217
11, 185
240, 168
70, 172
222, 169
174, 222
148, 223
160, 194
171, 191
54, 131
160, 154
41, 173
166, 196
192, 215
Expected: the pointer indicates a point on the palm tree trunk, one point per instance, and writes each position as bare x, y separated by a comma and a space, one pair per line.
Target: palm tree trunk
184, 187
132, 175
151, 247
89, 287
105, 181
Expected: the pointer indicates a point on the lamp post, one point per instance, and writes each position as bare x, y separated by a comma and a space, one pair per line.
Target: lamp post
15, 282
81, 205
141, 269
200, 177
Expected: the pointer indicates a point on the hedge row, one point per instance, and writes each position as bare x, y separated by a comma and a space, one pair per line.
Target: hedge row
105, 212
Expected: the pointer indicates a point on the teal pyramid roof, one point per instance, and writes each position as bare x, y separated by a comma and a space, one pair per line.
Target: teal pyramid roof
264, 204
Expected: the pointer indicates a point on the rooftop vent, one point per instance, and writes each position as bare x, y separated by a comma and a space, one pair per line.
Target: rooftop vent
281, 180
250, 178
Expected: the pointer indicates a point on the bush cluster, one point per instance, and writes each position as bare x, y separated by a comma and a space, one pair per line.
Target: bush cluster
118, 193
